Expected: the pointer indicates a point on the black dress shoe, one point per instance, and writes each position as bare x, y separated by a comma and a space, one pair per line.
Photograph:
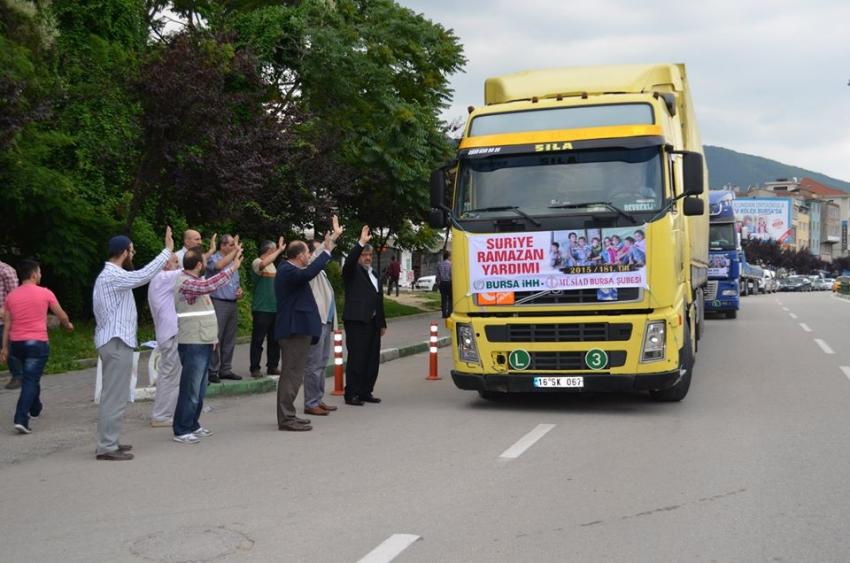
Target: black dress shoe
231, 376
371, 399
124, 448
214, 379
115, 456
354, 401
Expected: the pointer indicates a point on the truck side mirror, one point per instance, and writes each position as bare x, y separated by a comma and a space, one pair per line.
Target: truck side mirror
693, 173
438, 188
437, 218
693, 206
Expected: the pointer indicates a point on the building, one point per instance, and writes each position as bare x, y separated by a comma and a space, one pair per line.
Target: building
819, 217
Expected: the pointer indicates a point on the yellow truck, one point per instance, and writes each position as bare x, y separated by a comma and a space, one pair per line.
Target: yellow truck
577, 206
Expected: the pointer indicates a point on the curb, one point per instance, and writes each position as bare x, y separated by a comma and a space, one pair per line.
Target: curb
268, 384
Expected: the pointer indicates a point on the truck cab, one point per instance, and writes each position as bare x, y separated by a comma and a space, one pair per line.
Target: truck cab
579, 234
725, 257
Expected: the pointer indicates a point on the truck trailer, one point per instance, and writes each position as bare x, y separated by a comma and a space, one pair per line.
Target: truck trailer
579, 233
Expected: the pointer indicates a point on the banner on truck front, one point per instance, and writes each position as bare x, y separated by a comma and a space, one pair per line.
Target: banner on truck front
765, 219
718, 265
558, 260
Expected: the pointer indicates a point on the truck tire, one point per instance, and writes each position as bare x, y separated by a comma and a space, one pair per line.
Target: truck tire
732, 314
686, 368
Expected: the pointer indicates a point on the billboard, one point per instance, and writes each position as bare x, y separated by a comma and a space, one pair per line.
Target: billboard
602, 259
765, 219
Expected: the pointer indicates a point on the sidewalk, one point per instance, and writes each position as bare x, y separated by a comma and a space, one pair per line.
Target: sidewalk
70, 415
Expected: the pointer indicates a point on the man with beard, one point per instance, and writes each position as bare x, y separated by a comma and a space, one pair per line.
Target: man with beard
115, 336
363, 317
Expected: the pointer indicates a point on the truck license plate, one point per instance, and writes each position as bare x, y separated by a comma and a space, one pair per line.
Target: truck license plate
569, 382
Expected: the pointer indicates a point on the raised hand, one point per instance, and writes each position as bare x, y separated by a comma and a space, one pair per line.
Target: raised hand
280, 243
169, 240
212, 243
365, 235
330, 242
337, 229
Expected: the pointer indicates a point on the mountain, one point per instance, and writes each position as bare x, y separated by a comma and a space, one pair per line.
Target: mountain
738, 169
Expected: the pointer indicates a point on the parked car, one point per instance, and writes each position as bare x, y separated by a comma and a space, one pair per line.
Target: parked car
428, 283
768, 281
796, 283
824, 284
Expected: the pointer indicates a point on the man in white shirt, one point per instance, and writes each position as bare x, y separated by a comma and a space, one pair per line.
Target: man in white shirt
191, 239
115, 336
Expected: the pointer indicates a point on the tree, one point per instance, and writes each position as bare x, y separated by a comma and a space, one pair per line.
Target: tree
209, 145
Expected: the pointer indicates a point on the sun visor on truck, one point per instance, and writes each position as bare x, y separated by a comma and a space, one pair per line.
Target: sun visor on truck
560, 146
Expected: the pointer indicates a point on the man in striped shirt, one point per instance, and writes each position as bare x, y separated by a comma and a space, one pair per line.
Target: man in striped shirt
115, 336
8, 282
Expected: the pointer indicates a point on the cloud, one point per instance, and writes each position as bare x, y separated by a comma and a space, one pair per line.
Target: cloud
768, 78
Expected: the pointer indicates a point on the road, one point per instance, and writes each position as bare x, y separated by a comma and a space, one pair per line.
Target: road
751, 466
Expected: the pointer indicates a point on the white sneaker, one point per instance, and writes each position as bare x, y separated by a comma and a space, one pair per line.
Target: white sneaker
187, 439
203, 432
22, 429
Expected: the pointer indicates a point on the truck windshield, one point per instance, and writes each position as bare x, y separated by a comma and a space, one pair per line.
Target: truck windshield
556, 183
722, 237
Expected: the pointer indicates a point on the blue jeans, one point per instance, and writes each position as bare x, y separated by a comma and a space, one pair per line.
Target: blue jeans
27, 359
195, 359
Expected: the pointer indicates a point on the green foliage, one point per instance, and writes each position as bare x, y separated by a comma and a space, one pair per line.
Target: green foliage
258, 117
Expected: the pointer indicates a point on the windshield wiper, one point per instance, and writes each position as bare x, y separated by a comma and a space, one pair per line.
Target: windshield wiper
607, 204
513, 208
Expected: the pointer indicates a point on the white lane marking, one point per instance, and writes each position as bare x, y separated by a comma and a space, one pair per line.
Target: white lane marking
389, 549
792, 315
786, 309
824, 346
846, 371
834, 296
805, 327
526, 441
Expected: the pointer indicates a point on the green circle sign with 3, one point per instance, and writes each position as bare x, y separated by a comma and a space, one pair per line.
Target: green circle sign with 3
596, 359
519, 359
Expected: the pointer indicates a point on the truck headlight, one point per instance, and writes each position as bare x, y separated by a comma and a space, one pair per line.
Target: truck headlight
654, 341
467, 349
729, 293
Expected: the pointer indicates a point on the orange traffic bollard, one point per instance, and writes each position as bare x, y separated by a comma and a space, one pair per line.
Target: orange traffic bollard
339, 388
432, 349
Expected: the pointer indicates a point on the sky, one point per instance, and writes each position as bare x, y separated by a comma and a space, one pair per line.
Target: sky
768, 78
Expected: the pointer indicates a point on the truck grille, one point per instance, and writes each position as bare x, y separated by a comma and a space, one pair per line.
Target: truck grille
574, 332
572, 296
565, 361
711, 291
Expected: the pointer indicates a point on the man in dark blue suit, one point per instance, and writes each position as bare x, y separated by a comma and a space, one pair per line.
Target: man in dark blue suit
298, 323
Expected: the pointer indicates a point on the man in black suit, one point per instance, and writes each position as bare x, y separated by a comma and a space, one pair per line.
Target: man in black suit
364, 321
298, 323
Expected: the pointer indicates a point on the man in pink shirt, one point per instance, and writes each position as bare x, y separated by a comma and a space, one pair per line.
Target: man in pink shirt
25, 338
161, 302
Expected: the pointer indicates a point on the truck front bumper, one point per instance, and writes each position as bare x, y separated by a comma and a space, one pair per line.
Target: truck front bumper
524, 383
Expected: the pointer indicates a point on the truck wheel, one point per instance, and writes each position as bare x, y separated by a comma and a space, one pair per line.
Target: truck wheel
731, 314
686, 368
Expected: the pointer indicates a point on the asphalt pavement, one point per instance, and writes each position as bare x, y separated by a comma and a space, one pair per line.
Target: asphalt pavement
749, 467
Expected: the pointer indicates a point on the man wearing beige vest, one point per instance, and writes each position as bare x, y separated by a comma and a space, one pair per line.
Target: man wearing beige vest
197, 333
317, 359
